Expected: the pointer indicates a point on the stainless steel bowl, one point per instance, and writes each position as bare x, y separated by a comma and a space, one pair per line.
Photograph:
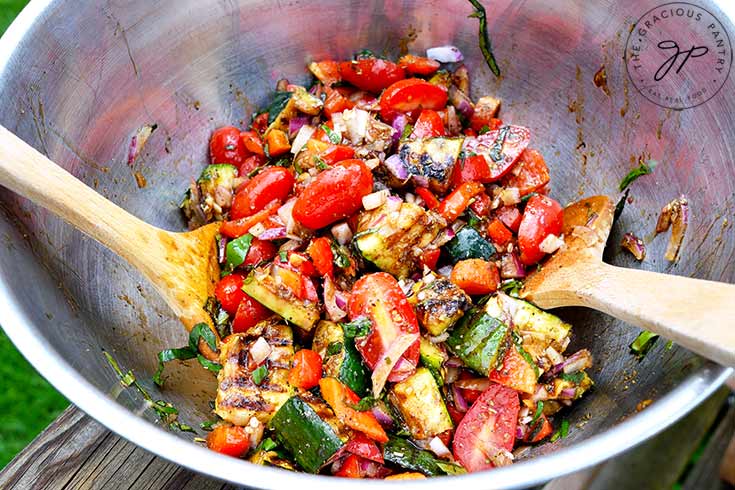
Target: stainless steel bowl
77, 79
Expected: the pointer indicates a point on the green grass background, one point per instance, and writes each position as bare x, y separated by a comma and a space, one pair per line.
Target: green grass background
27, 402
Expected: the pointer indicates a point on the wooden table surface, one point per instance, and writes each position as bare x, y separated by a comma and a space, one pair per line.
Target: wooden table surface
75, 452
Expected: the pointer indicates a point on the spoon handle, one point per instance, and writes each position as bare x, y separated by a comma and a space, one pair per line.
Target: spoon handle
28, 173
694, 313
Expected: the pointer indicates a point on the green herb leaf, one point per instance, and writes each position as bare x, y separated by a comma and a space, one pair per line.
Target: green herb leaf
333, 136
357, 328
511, 287
260, 374
364, 54
320, 164
283, 256
280, 99
267, 444
181, 427
407, 130
644, 168
669, 345
539, 411
484, 129
562, 432
528, 196
575, 378
202, 330
643, 343
334, 348
341, 257
496, 151
365, 404
167, 355
207, 364
485, 45
474, 221
236, 251
208, 425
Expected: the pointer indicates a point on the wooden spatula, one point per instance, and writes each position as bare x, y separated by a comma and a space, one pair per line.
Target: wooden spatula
183, 267
693, 313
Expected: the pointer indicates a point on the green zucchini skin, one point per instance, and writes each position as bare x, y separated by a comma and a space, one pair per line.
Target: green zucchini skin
345, 364
421, 405
480, 340
433, 359
469, 244
404, 454
310, 440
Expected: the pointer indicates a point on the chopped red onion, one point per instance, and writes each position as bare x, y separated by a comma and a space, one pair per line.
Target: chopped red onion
399, 124
439, 448
519, 432
138, 141
383, 417
551, 244
389, 359
461, 79
454, 362
568, 393
634, 245
305, 132
259, 351
511, 267
510, 195
222, 250
292, 244
296, 123
342, 233
461, 102
365, 448
420, 180
477, 384
277, 233
676, 215
576, 362
334, 312
541, 394
396, 167
452, 375
459, 402
445, 54
375, 199
341, 298
445, 271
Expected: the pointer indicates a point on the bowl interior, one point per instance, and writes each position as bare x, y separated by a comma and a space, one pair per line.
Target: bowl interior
80, 80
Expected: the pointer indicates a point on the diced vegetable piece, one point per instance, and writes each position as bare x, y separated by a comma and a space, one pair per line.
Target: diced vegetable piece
418, 65
405, 476
211, 197
438, 303
487, 432
326, 72
516, 372
409, 95
404, 454
421, 406
530, 173
480, 339
310, 440
341, 359
538, 430
542, 217
390, 239
569, 386
486, 109
342, 400
501, 148
432, 161
231, 440
239, 398
433, 359
476, 276
459, 200
499, 233
298, 100
306, 369
277, 297
469, 244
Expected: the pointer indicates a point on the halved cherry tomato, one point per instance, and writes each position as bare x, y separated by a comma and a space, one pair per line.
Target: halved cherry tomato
481, 205
300, 262
530, 173
430, 257
539, 430
328, 152
238, 227
225, 146
515, 373
428, 125
418, 65
371, 74
334, 194
231, 440
320, 251
229, 293
273, 183
500, 148
510, 216
260, 123
475, 276
473, 168
480, 122
543, 217
350, 467
306, 370
488, 428
260, 251
379, 297
499, 233
300, 285
340, 397
365, 448
249, 313
457, 201
336, 102
278, 144
431, 201
410, 95
326, 72
249, 164
252, 142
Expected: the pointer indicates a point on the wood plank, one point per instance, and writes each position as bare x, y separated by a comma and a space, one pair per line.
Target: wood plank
705, 475
667, 453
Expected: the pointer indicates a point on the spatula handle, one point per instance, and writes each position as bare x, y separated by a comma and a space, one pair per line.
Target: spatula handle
27, 172
697, 314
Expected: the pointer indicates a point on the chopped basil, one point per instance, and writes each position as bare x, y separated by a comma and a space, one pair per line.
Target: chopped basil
334, 348
539, 411
126, 379
335, 138
575, 378
643, 343
320, 164
297, 167
407, 130
283, 256
473, 220
511, 287
364, 54
191, 351
267, 444
357, 328
669, 345
496, 151
260, 374
484, 129
237, 250
365, 404
485, 45
282, 162
280, 99
644, 168
255, 172
562, 432
620, 205
341, 257
209, 424
528, 196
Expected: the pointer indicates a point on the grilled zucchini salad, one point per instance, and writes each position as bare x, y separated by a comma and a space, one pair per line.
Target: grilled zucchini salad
376, 228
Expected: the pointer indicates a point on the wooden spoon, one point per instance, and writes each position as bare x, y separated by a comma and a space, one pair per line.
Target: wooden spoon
692, 312
183, 267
